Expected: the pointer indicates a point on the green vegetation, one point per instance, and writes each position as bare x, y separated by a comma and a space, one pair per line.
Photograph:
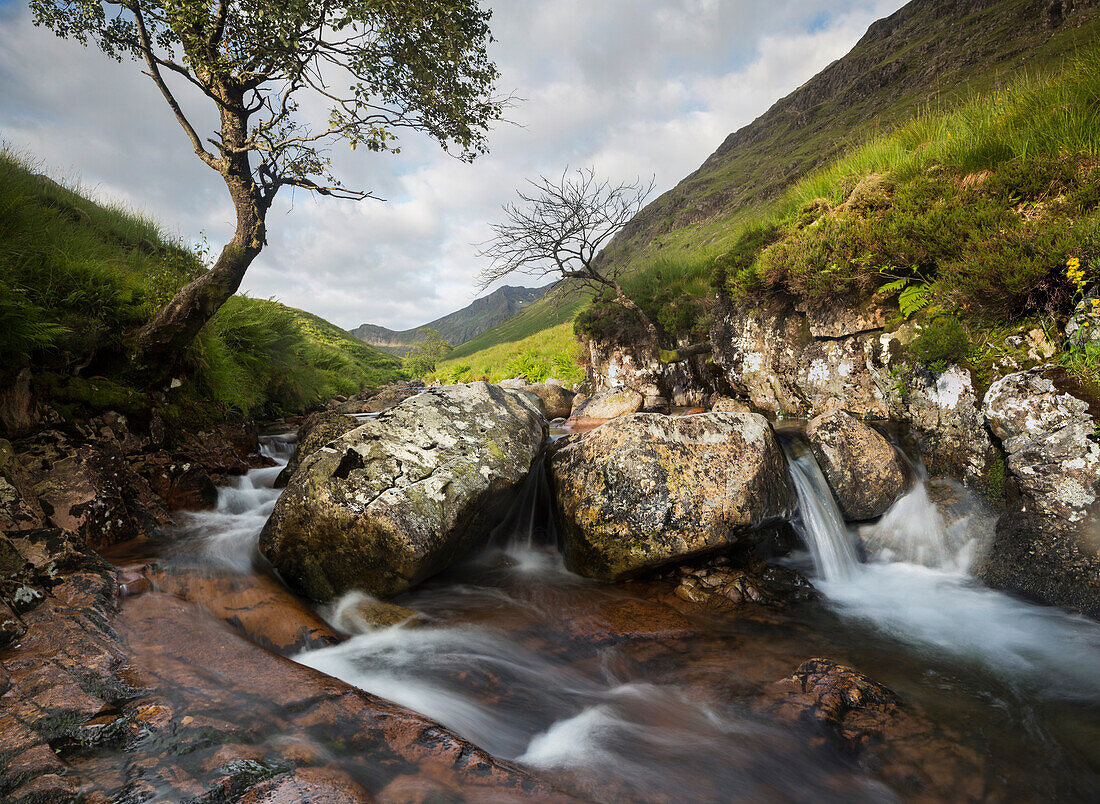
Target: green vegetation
554, 309
551, 352
424, 354
76, 276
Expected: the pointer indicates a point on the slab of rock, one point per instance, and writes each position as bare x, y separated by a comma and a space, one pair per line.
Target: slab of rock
862, 467
403, 496
610, 404
647, 490
182, 484
1048, 540
317, 430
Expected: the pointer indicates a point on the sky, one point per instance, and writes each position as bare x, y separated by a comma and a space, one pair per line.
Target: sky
630, 88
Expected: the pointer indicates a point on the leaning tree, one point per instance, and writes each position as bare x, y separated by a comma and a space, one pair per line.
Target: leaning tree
376, 66
558, 229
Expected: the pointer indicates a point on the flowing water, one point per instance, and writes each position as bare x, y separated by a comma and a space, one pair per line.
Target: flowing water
554, 672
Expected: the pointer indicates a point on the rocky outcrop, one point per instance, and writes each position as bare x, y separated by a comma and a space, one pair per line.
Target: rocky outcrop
639, 366
864, 470
404, 495
646, 490
317, 430
19, 413
1048, 541
772, 358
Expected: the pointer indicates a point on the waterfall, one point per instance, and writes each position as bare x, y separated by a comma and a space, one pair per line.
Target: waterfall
818, 519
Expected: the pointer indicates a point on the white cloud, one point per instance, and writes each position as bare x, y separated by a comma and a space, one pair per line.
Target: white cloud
633, 88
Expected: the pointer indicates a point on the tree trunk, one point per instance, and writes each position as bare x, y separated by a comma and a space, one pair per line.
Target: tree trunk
159, 344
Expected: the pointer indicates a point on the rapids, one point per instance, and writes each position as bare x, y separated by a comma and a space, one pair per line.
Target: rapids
541, 667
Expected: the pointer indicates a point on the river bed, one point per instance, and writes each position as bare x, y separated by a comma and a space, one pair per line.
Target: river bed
607, 691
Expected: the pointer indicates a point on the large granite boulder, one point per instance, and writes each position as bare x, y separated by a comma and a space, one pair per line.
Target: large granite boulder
862, 467
317, 430
647, 490
403, 496
1047, 544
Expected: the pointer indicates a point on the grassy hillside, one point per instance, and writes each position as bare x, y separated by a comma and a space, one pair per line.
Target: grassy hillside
549, 352
76, 277
552, 310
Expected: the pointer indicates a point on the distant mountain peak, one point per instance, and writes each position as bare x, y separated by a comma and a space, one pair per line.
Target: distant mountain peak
459, 326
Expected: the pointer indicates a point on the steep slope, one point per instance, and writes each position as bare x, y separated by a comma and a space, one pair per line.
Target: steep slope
929, 52
76, 277
457, 327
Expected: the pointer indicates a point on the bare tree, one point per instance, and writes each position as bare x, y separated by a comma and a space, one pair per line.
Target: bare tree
558, 228
378, 67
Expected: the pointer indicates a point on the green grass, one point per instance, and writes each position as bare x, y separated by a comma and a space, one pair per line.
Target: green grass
550, 352
76, 277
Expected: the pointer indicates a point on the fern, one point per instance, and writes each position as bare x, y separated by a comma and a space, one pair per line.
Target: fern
898, 285
914, 299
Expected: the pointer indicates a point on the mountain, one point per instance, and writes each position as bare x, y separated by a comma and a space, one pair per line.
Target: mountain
457, 327
929, 55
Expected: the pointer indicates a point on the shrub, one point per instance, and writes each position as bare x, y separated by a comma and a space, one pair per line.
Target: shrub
942, 341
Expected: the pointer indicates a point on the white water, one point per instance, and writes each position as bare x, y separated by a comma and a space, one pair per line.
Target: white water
227, 536
919, 593
818, 519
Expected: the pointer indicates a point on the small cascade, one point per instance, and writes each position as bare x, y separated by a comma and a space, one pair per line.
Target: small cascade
912, 531
818, 519
227, 535
530, 521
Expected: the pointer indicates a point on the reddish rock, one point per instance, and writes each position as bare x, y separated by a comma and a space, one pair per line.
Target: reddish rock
899, 743
629, 619
257, 606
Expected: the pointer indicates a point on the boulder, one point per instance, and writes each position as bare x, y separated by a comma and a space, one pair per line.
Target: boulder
19, 414
403, 496
317, 430
557, 400
19, 507
647, 490
725, 404
182, 485
610, 404
1047, 544
385, 399
578, 400
862, 467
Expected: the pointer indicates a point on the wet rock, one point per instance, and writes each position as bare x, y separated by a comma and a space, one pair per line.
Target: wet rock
716, 589
257, 606
403, 496
19, 414
647, 490
357, 613
317, 430
869, 721
19, 506
1048, 540
229, 449
630, 620
181, 484
94, 494
558, 401
610, 404
315, 785
862, 467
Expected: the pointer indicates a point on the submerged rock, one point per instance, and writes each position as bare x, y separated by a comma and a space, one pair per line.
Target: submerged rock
862, 467
647, 490
1048, 541
403, 496
317, 430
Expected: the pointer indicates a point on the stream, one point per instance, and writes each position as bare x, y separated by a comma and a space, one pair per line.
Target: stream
515, 654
